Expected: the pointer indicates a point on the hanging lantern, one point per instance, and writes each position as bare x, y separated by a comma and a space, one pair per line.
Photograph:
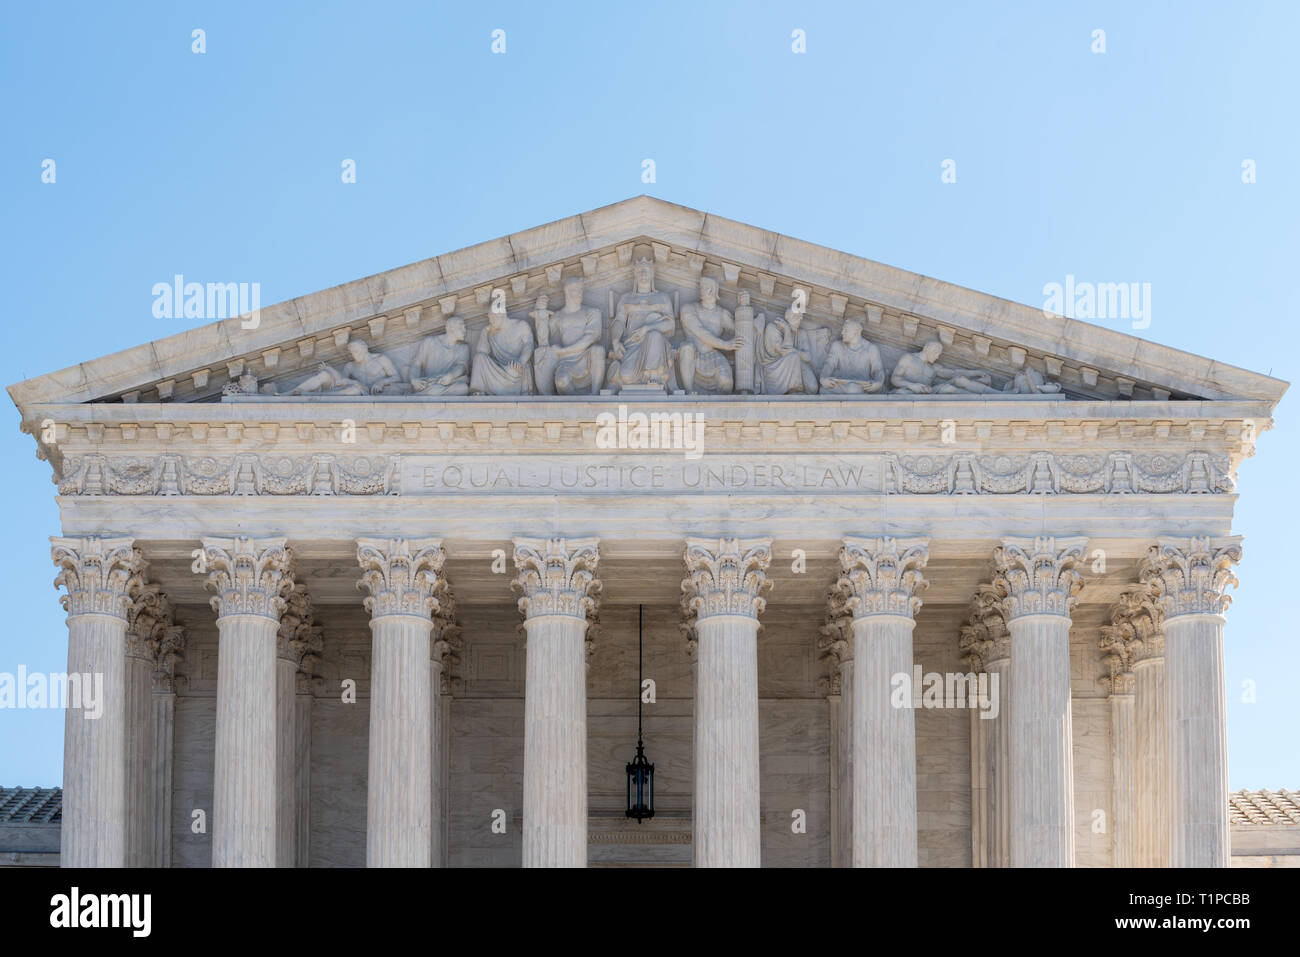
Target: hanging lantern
640, 772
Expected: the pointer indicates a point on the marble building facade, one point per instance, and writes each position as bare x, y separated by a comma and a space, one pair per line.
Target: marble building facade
363, 572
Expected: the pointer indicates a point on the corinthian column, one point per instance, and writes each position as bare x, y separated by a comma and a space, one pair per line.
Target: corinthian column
986, 645
250, 578
557, 579
881, 577
1038, 582
722, 594
403, 577
1189, 577
1117, 645
1142, 626
98, 574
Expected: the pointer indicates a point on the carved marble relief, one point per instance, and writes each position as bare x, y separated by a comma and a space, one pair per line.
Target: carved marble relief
643, 343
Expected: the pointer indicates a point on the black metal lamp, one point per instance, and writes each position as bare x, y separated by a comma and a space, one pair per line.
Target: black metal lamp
640, 772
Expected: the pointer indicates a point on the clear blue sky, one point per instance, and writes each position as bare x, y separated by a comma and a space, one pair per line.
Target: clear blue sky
1123, 166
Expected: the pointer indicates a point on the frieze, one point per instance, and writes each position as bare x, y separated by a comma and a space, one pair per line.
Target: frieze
958, 473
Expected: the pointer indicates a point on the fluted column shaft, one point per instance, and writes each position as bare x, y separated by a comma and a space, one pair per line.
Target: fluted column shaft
286, 761
435, 761
244, 785
164, 727
1198, 733
555, 742
884, 745
1042, 772
140, 792
727, 822
94, 759
98, 574
1151, 772
844, 764
399, 807
999, 765
1123, 725
249, 577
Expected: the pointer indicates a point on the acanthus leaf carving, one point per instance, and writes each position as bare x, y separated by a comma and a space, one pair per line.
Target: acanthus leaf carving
98, 574
1190, 576
248, 576
402, 575
557, 576
1038, 576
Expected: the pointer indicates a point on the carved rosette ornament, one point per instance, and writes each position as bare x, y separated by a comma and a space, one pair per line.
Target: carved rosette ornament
98, 573
1190, 576
403, 575
557, 576
881, 576
725, 576
1038, 576
249, 576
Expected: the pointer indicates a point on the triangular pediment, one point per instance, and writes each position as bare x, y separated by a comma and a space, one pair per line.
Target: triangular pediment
393, 312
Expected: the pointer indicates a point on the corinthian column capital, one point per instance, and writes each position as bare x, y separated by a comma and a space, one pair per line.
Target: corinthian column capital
726, 576
403, 575
248, 575
1190, 576
557, 576
985, 639
1140, 623
148, 616
1037, 576
98, 574
881, 576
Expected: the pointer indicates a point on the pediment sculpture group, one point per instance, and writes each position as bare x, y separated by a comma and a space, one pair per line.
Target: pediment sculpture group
562, 352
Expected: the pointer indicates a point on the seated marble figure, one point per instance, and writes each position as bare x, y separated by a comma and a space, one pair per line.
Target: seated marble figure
920, 373
642, 325
569, 357
441, 364
853, 365
1031, 382
503, 358
785, 357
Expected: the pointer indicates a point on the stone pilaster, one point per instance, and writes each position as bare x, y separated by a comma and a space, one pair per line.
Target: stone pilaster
1118, 644
98, 575
722, 595
836, 643
1188, 578
557, 581
295, 620
881, 578
1038, 582
148, 617
986, 646
403, 577
249, 578
310, 644
170, 650
441, 657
